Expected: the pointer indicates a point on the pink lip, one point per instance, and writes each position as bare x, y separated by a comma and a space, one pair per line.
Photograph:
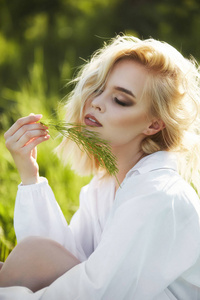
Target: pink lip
90, 120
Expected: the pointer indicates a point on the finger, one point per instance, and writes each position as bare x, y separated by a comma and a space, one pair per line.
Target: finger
28, 136
34, 142
20, 122
15, 146
26, 128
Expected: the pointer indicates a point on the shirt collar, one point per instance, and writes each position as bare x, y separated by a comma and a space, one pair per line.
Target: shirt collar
155, 161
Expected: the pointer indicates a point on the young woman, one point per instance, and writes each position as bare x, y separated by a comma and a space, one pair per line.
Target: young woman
139, 240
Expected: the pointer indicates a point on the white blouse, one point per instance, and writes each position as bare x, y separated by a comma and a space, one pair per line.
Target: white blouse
141, 244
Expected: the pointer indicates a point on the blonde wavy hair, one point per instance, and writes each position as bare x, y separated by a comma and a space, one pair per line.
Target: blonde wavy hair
172, 87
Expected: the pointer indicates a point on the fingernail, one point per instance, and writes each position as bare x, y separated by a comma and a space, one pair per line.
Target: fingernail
38, 116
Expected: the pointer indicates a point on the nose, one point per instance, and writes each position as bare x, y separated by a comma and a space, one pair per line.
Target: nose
98, 103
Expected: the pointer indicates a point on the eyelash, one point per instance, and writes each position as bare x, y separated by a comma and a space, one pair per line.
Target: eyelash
100, 91
119, 102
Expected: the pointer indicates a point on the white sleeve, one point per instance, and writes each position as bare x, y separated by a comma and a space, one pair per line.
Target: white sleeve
38, 214
140, 253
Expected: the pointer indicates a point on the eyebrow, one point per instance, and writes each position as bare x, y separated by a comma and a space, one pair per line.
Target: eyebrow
121, 89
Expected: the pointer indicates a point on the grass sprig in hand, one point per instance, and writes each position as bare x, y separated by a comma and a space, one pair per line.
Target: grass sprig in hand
88, 141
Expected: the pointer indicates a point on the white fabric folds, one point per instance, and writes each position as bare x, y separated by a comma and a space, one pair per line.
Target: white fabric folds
141, 244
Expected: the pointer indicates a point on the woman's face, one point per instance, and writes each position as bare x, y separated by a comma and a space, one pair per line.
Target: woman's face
118, 113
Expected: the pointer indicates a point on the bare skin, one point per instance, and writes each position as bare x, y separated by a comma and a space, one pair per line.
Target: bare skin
35, 263
1, 264
21, 140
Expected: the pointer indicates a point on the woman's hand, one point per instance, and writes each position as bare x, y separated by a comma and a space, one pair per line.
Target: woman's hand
21, 140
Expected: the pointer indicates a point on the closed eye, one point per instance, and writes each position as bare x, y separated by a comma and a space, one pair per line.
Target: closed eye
120, 102
98, 91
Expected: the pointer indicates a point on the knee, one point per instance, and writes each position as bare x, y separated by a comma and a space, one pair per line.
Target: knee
30, 240
26, 264
33, 244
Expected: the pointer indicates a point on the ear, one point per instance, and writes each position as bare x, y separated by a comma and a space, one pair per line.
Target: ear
154, 127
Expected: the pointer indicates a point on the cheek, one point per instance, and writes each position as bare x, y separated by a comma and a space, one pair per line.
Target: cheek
126, 129
85, 106
131, 122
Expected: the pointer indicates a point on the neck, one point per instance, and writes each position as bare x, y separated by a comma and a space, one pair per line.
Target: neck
125, 163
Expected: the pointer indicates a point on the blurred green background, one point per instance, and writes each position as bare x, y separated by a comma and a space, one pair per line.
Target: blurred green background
42, 42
